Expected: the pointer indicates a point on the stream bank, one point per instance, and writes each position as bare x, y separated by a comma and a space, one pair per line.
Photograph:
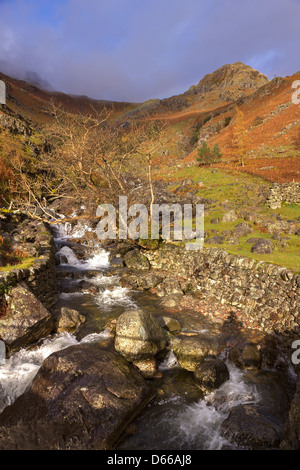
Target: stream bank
257, 394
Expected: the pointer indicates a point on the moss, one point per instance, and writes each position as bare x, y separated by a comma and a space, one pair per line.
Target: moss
26, 263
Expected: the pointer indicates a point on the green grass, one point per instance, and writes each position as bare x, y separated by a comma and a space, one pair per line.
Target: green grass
26, 263
221, 185
230, 186
287, 211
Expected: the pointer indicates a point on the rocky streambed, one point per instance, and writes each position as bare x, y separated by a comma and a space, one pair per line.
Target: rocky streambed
134, 363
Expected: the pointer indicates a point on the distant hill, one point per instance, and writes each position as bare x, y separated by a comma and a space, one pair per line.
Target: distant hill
205, 112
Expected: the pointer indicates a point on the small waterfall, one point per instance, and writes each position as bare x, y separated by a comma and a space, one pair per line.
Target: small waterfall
99, 260
67, 256
174, 423
170, 362
204, 419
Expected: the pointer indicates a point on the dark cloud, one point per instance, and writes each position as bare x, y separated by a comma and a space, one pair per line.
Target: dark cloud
136, 50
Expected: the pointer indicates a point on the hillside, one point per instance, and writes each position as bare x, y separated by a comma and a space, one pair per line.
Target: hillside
30, 102
205, 112
271, 122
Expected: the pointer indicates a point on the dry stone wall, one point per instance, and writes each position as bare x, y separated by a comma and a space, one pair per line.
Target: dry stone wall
41, 276
287, 192
264, 295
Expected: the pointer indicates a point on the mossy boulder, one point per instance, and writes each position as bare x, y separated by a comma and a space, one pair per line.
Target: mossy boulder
136, 260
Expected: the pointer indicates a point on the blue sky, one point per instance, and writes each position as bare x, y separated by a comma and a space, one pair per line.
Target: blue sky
133, 50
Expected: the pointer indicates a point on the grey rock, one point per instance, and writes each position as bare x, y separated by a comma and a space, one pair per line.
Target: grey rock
138, 335
263, 245
26, 319
82, 398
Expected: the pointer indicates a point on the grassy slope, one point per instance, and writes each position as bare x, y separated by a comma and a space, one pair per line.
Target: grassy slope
230, 187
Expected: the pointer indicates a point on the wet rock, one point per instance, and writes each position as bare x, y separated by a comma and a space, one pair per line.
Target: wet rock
149, 280
291, 438
82, 398
138, 335
117, 261
147, 367
69, 320
87, 287
136, 260
170, 324
210, 374
190, 351
251, 427
246, 356
110, 328
263, 245
260, 425
26, 319
172, 287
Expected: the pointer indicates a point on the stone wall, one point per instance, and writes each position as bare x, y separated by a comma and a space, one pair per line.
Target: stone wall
287, 192
265, 296
41, 276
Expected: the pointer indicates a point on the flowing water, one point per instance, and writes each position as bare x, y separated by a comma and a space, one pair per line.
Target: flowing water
179, 417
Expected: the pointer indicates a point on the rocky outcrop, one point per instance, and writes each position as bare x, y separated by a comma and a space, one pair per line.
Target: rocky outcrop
26, 319
82, 398
232, 81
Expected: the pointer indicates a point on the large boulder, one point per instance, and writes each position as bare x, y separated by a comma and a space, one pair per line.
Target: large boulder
26, 319
251, 427
259, 425
138, 335
83, 397
136, 260
191, 351
210, 374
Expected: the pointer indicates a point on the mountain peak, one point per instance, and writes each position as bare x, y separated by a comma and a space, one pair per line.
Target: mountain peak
232, 80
